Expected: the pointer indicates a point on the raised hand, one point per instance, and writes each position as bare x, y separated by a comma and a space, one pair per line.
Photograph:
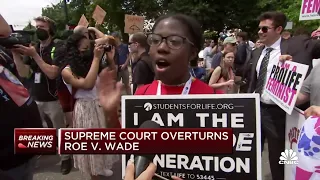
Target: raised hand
109, 91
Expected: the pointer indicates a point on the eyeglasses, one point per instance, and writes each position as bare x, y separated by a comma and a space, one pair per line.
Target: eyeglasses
265, 29
173, 42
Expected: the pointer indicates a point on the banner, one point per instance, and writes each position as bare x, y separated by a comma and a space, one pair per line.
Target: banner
308, 167
241, 112
99, 14
293, 124
83, 21
285, 82
133, 24
309, 10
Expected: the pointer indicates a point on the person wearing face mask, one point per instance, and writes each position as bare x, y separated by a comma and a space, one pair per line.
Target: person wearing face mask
38, 66
82, 74
143, 70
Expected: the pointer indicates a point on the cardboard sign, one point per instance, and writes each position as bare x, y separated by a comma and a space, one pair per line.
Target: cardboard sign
83, 21
285, 82
133, 24
310, 10
99, 14
241, 112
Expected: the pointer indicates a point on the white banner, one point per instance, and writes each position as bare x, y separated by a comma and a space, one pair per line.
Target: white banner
293, 124
303, 137
309, 10
285, 82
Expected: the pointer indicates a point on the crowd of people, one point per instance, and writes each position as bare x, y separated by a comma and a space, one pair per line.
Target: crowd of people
78, 82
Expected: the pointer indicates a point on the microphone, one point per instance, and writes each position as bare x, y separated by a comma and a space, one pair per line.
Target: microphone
141, 162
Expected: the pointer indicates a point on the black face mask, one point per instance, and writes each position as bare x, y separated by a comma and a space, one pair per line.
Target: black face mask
42, 34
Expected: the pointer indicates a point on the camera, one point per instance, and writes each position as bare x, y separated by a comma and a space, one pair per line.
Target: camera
10, 41
107, 48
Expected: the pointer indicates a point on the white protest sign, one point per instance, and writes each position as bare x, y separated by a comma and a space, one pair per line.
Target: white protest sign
293, 124
308, 167
285, 82
309, 10
133, 24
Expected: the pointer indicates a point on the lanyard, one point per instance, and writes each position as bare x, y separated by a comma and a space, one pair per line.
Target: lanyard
185, 90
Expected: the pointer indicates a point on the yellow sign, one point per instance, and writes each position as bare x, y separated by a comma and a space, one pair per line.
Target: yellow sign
133, 24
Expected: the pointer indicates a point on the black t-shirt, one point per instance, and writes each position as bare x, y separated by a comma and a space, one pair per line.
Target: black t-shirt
18, 110
44, 90
143, 72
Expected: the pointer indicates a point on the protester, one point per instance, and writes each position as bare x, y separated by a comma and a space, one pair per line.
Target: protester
171, 59
82, 74
243, 52
303, 50
18, 110
208, 53
229, 45
143, 71
222, 77
122, 62
38, 66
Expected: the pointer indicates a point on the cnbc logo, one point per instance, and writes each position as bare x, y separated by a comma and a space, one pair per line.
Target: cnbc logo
147, 106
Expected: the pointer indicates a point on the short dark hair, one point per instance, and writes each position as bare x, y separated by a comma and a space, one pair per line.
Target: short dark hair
278, 18
193, 27
140, 38
243, 35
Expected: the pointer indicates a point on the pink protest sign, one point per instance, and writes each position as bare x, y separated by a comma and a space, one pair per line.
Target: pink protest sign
309, 10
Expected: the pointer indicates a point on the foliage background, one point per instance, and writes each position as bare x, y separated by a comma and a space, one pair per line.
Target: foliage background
214, 15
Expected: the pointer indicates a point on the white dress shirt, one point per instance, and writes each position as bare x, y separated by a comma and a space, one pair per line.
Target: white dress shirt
274, 59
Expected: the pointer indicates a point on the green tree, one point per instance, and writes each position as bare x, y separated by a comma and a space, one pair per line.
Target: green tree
29, 27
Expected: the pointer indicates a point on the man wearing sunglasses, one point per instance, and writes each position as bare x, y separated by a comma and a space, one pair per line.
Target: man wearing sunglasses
303, 50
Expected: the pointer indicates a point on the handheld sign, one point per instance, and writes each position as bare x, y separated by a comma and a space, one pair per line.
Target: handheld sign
99, 14
293, 128
133, 24
241, 112
309, 10
285, 82
83, 21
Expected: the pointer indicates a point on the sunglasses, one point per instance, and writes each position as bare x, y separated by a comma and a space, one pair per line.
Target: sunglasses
265, 29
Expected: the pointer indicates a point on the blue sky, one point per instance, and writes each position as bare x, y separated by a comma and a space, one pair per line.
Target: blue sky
20, 12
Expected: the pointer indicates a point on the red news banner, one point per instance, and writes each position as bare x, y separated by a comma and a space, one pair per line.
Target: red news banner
127, 141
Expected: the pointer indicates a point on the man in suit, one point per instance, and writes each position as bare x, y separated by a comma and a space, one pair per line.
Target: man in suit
303, 50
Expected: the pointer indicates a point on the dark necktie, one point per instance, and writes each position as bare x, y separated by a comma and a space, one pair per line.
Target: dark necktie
263, 71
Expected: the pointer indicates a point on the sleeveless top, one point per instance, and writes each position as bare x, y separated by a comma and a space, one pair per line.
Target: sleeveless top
82, 93
226, 89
